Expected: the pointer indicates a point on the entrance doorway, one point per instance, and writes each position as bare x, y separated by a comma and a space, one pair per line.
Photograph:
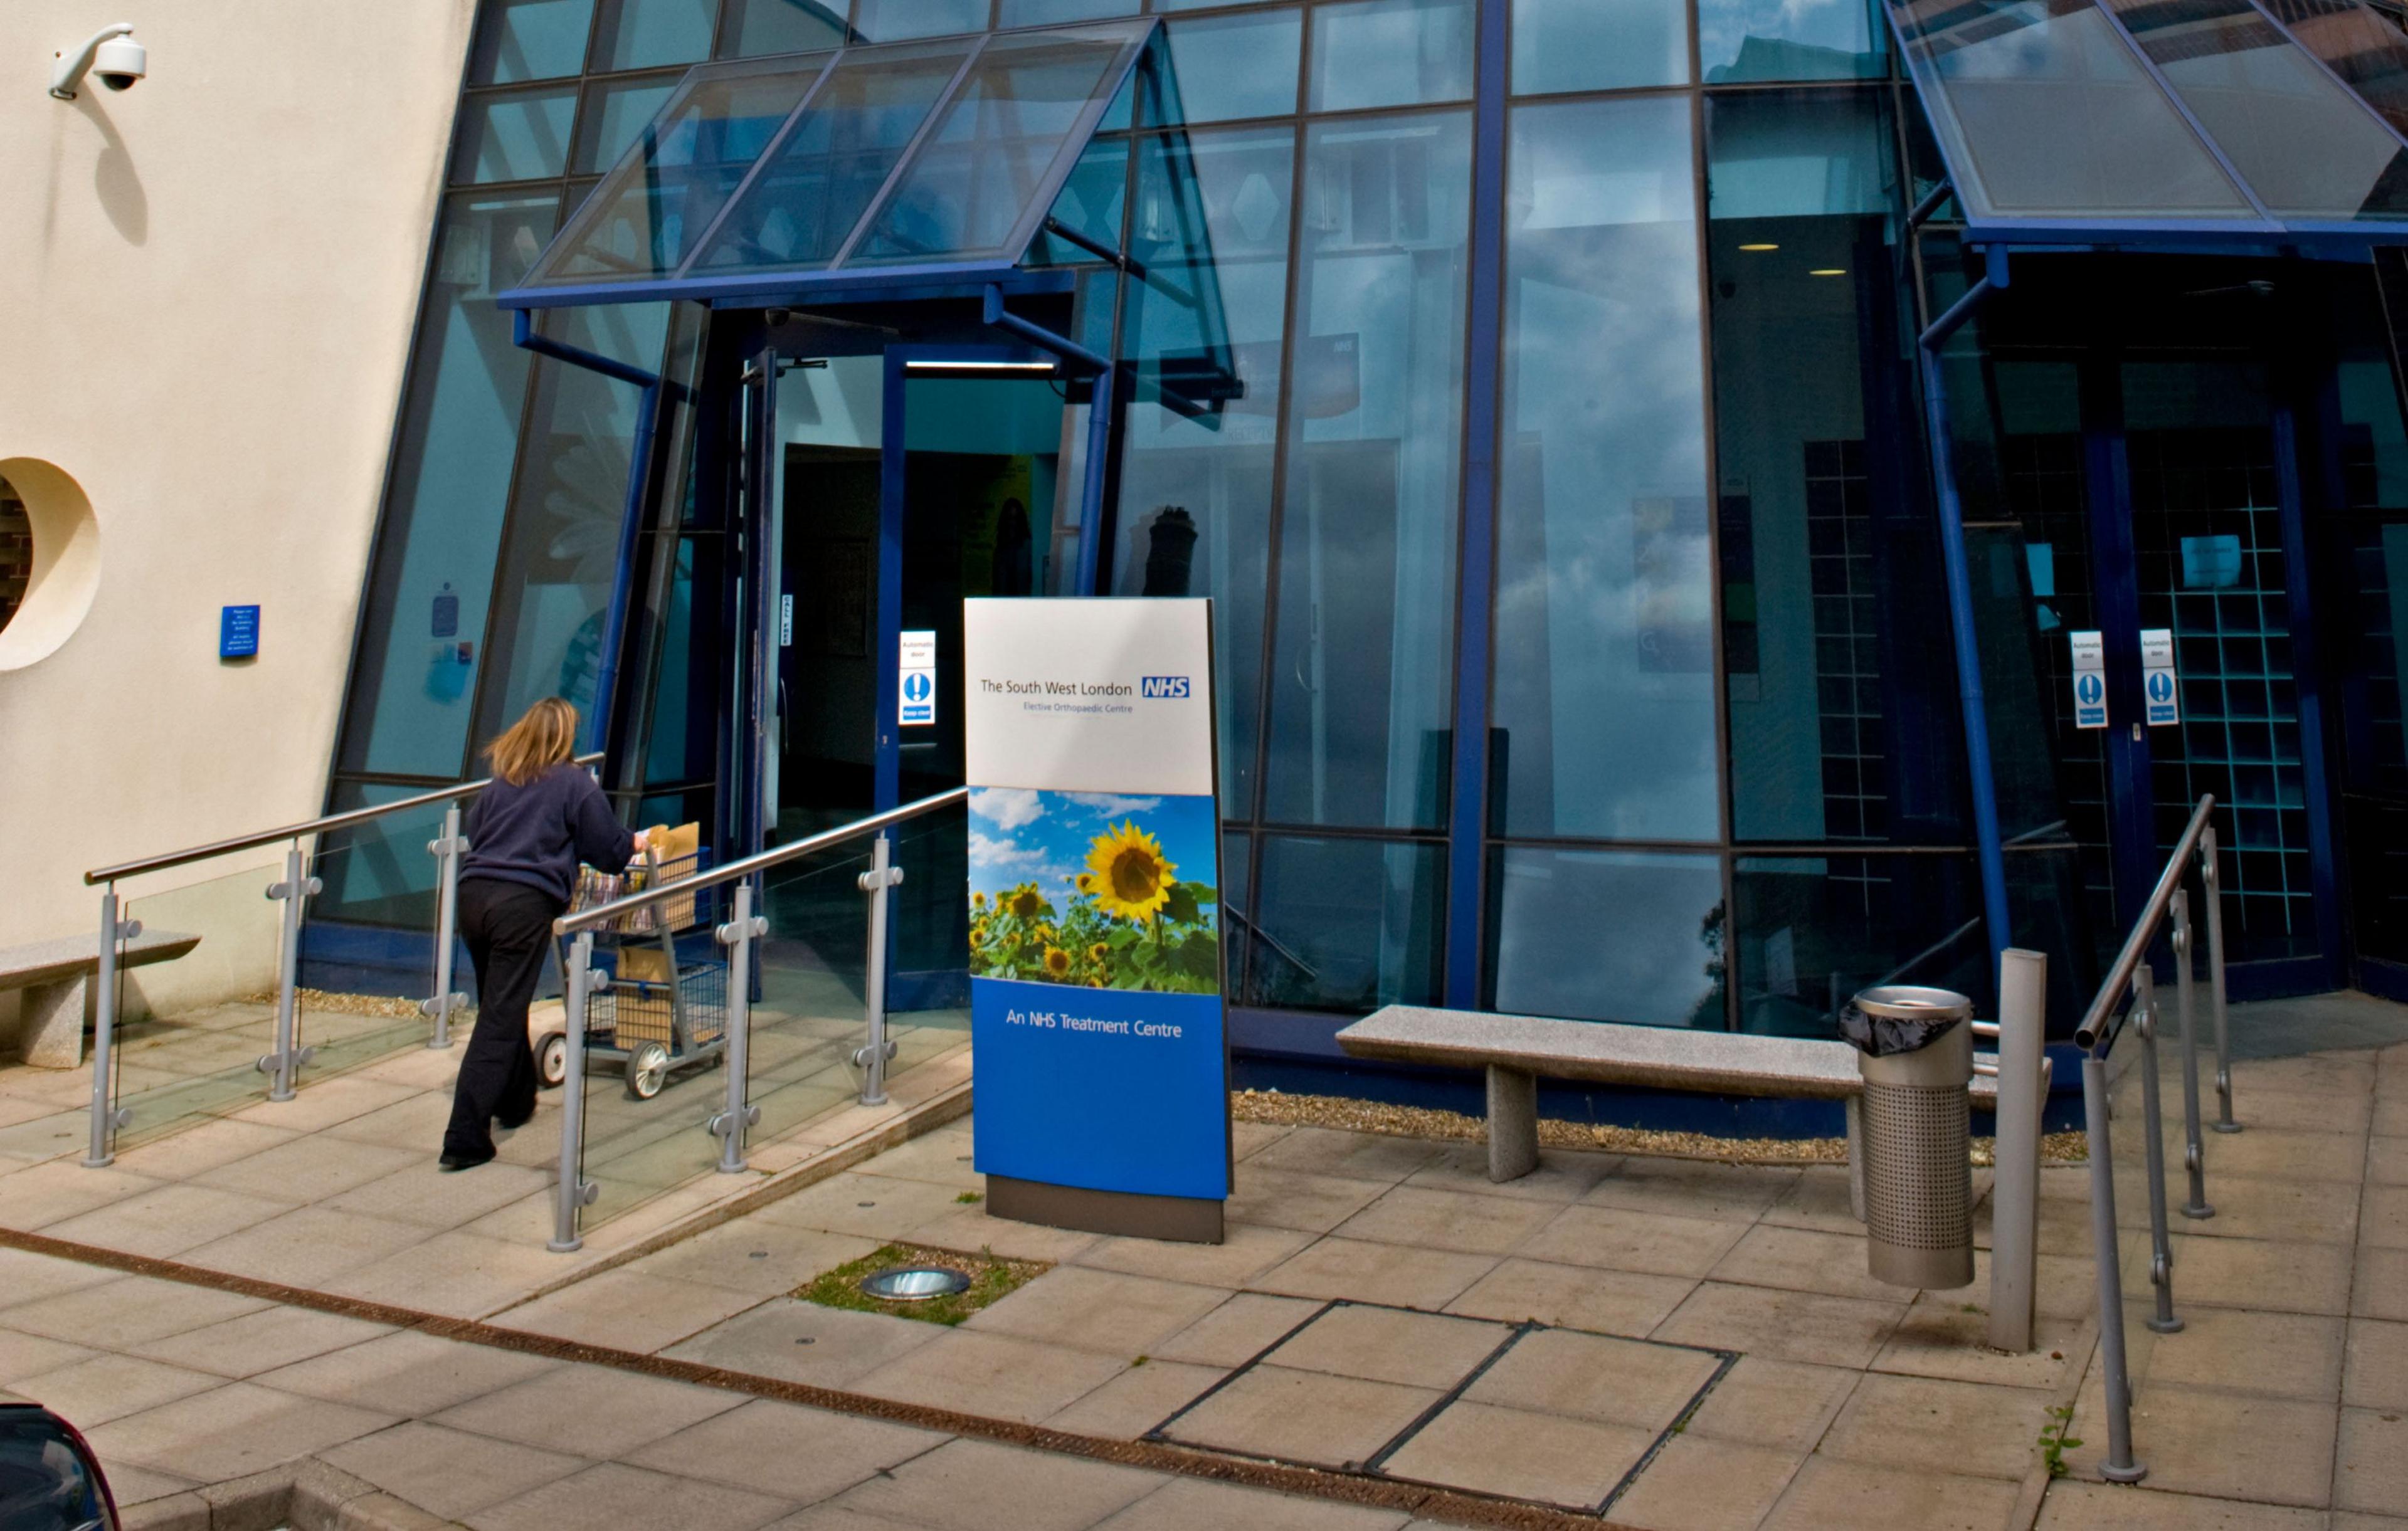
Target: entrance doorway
897, 484
2148, 492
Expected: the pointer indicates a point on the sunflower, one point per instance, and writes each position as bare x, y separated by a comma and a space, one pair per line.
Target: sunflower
1057, 962
1026, 902
977, 900
1128, 874
1046, 933
1099, 952
1085, 882
978, 937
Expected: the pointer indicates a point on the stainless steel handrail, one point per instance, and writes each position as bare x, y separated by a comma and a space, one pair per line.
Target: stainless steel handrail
573, 1192
602, 914
312, 826
2145, 930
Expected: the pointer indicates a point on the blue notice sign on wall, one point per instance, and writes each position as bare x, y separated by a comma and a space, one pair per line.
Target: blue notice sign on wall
239, 632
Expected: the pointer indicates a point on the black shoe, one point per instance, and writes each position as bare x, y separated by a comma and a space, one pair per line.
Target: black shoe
451, 1164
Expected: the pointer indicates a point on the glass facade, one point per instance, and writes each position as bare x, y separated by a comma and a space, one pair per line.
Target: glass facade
1570, 399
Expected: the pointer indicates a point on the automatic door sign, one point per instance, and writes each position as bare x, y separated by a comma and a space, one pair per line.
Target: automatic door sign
2089, 679
2158, 686
918, 677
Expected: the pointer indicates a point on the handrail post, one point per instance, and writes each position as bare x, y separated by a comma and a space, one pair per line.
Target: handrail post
729, 1124
872, 1058
2107, 1239
2194, 1150
106, 1116
283, 1065
447, 852
2161, 1244
575, 1191
2015, 1188
2213, 898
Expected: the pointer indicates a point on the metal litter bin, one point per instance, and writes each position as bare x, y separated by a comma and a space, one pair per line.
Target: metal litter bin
1916, 1048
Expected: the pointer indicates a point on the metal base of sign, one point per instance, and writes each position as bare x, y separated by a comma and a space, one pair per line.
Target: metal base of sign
1184, 1220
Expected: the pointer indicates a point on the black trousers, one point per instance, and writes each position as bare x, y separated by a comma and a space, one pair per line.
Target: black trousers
507, 927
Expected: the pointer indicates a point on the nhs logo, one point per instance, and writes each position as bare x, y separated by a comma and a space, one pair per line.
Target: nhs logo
1163, 687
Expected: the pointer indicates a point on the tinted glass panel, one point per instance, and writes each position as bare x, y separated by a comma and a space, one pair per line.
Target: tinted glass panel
2042, 108
890, 20
830, 168
1242, 66
1604, 680
1600, 44
615, 116
1842, 712
2301, 140
1773, 39
1813, 931
523, 135
561, 558
639, 33
529, 39
423, 620
976, 179
644, 218
1662, 964
749, 28
1196, 490
1391, 53
2365, 50
1363, 677
1052, 12
1347, 925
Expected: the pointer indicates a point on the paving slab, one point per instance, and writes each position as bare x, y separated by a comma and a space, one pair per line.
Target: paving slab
587, 1411
1780, 1405
1574, 1462
969, 1485
450, 1472
409, 1373
1098, 1311
306, 1247
1563, 1175
1353, 1155
1247, 1251
2230, 1446
1382, 1273
1975, 1428
1575, 1297
803, 1342
627, 1311
2375, 1369
1303, 1416
786, 1451
2283, 1355
1698, 1484
28, 1278
1619, 1238
1191, 1504
614, 1495
2371, 1461
127, 1312
1238, 1331
232, 1432
1784, 1326
1000, 1376
167, 1222
1692, 1188
765, 1259
2254, 1273
1829, 1492
1391, 1345
1423, 1218
1137, 1400
2113, 1507
24, 1355
1629, 1382
1297, 1199
109, 1387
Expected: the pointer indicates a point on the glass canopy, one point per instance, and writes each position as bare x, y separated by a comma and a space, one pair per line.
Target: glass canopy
868, 165
2165, 121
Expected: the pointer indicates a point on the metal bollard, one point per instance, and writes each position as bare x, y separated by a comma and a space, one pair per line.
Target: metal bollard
2161, 1245
447, 852
107, 1115
283, 1065
729, 1125
872, 1058
575, 1191
2224, 1121
2015, 1185
2107, 1241
2194, 1149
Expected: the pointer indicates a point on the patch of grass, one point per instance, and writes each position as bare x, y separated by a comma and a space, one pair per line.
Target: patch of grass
2055, 1443
970, 1198
992, 1278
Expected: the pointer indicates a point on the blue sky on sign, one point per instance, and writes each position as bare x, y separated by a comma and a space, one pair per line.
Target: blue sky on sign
1021, 834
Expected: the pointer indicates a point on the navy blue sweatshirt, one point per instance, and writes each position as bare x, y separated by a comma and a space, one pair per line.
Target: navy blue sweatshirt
535, 835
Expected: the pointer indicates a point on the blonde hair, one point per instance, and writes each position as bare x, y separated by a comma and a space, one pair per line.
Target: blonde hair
544, 738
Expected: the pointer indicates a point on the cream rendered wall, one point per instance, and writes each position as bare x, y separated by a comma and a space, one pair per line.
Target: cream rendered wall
208, 285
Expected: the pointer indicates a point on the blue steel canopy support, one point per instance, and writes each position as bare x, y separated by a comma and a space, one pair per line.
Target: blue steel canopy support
1981, 777
639, 468
1102, 418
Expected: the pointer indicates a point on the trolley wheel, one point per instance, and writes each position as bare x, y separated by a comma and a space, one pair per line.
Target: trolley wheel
648, 1070
552, 1059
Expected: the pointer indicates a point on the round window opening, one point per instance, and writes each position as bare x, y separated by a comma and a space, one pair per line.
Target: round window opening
49, 559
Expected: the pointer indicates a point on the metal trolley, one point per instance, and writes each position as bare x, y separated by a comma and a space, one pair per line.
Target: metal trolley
660, 1003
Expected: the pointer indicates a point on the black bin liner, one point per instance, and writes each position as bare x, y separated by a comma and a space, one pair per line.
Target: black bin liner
1884, 1023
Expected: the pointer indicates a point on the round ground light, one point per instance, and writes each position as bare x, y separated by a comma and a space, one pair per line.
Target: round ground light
916, 1283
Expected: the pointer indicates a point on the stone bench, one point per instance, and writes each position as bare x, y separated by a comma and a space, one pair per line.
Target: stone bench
1517, 1049
56, 977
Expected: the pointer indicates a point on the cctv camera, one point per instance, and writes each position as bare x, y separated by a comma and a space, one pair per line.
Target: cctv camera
110, 52
119, 63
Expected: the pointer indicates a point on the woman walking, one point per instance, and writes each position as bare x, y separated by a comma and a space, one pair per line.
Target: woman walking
526, 833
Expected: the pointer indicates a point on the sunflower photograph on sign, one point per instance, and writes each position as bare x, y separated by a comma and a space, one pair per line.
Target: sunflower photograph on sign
1094, 890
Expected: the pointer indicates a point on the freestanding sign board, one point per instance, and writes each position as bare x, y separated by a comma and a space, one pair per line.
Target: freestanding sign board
1096, 1012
